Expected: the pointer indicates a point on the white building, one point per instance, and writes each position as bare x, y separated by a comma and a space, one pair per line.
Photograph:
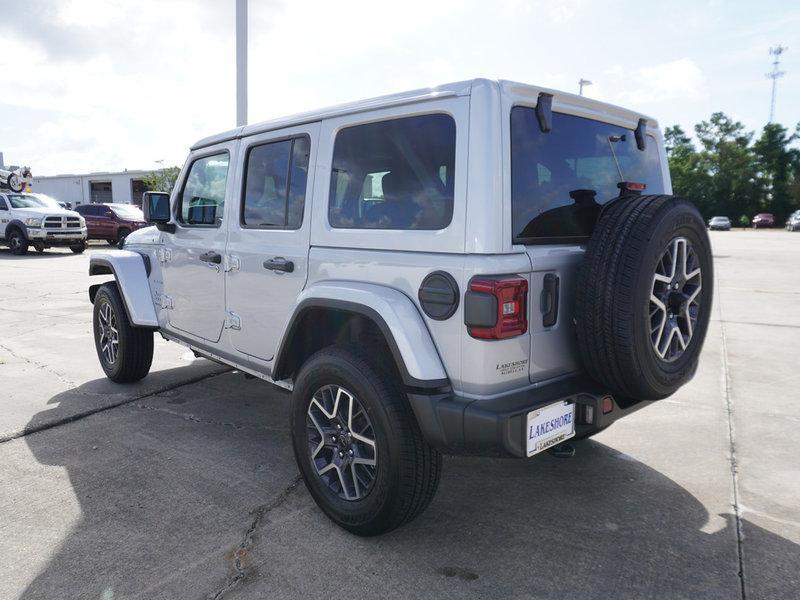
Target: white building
125, 187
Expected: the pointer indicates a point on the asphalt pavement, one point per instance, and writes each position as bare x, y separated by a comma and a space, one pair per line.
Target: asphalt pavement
184, 485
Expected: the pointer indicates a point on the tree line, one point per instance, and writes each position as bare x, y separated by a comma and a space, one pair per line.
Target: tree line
733, 173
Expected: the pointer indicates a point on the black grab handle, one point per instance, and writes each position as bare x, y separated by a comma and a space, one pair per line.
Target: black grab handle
211, 257
279, 264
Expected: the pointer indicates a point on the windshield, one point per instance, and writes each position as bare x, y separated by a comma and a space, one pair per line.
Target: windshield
24, 201
128, 212
559, 180
47, 201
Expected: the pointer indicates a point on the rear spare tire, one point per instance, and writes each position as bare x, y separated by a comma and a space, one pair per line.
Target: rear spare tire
643, 296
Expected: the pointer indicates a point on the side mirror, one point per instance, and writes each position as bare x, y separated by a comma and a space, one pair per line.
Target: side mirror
155, 206
108, 213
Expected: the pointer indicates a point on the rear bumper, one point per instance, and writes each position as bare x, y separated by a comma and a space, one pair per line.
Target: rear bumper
497, 426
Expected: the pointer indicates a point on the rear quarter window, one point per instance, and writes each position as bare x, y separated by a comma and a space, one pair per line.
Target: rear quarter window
560, 179
395, 174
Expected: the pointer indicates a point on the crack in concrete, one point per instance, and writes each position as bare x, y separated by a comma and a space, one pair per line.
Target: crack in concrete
87, 413
737, 509
758, 324
246, 545
194, 419
60, 376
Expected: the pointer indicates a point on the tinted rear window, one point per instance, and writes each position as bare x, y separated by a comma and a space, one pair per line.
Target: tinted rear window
559, 180
396, 174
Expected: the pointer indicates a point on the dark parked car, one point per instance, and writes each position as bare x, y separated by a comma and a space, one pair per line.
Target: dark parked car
111, 222
763, 220
720, 223
793, 222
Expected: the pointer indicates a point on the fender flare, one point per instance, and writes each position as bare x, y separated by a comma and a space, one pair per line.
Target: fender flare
19, 225
131, 271
395, 315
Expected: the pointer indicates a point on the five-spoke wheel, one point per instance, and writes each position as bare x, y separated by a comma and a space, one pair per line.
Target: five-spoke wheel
109, 335
675, 299
341, 442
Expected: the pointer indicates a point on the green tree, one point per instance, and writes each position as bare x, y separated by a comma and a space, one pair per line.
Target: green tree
730, 174
729, 160
689, 179
162, 180
778, 163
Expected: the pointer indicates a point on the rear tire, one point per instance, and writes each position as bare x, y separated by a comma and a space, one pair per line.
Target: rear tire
17, 242
406, 470
627, 313
125, 351
121, 235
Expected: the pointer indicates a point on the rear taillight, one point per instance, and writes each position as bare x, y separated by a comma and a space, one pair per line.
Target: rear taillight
495, 307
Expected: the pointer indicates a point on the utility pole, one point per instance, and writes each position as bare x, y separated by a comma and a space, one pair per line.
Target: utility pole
241, 62
582, 82
774, 75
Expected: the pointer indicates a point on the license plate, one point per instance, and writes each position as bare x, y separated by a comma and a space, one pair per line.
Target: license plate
549, 426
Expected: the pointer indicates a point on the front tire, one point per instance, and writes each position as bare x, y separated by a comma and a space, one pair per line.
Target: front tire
358, 445
125, 351
17, 242
78, 248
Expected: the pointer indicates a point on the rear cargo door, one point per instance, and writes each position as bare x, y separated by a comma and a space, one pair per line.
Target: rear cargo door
559, 181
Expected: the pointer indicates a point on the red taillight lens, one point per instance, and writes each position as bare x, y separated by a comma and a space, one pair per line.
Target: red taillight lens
510, 298
632, 186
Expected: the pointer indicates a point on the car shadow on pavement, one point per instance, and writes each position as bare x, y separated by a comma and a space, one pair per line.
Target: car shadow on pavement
193, 493
5, 254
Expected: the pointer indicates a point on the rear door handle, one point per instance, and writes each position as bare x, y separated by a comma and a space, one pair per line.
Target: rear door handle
211, 257
279, 264
548, 301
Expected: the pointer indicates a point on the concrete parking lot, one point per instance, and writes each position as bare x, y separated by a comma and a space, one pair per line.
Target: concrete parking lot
184, 485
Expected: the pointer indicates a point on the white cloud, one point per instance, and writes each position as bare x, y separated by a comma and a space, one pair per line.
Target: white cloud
121, 83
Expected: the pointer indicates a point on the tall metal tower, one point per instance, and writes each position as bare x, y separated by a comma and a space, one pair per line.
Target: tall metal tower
774, 75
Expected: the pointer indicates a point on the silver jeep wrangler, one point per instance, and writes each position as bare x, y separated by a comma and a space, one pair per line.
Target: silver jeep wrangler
484, 268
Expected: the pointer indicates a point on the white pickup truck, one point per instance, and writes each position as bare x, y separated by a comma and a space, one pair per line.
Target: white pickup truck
26, 221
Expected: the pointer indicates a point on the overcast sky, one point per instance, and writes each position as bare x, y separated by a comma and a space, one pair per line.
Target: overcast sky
117, 84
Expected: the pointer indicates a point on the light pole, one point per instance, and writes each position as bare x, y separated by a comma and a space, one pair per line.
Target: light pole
582, 82
241, 62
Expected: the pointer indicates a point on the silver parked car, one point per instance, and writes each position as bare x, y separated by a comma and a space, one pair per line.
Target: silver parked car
719, 223
461, 269
793, 222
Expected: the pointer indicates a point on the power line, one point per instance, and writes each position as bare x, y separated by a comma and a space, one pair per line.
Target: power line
774, 75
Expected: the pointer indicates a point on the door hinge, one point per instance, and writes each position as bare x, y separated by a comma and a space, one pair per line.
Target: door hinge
232, 263
232, 320
164, 255
165, 301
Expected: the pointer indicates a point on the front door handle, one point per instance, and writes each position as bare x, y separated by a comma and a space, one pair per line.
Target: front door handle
211, 257
279, 264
